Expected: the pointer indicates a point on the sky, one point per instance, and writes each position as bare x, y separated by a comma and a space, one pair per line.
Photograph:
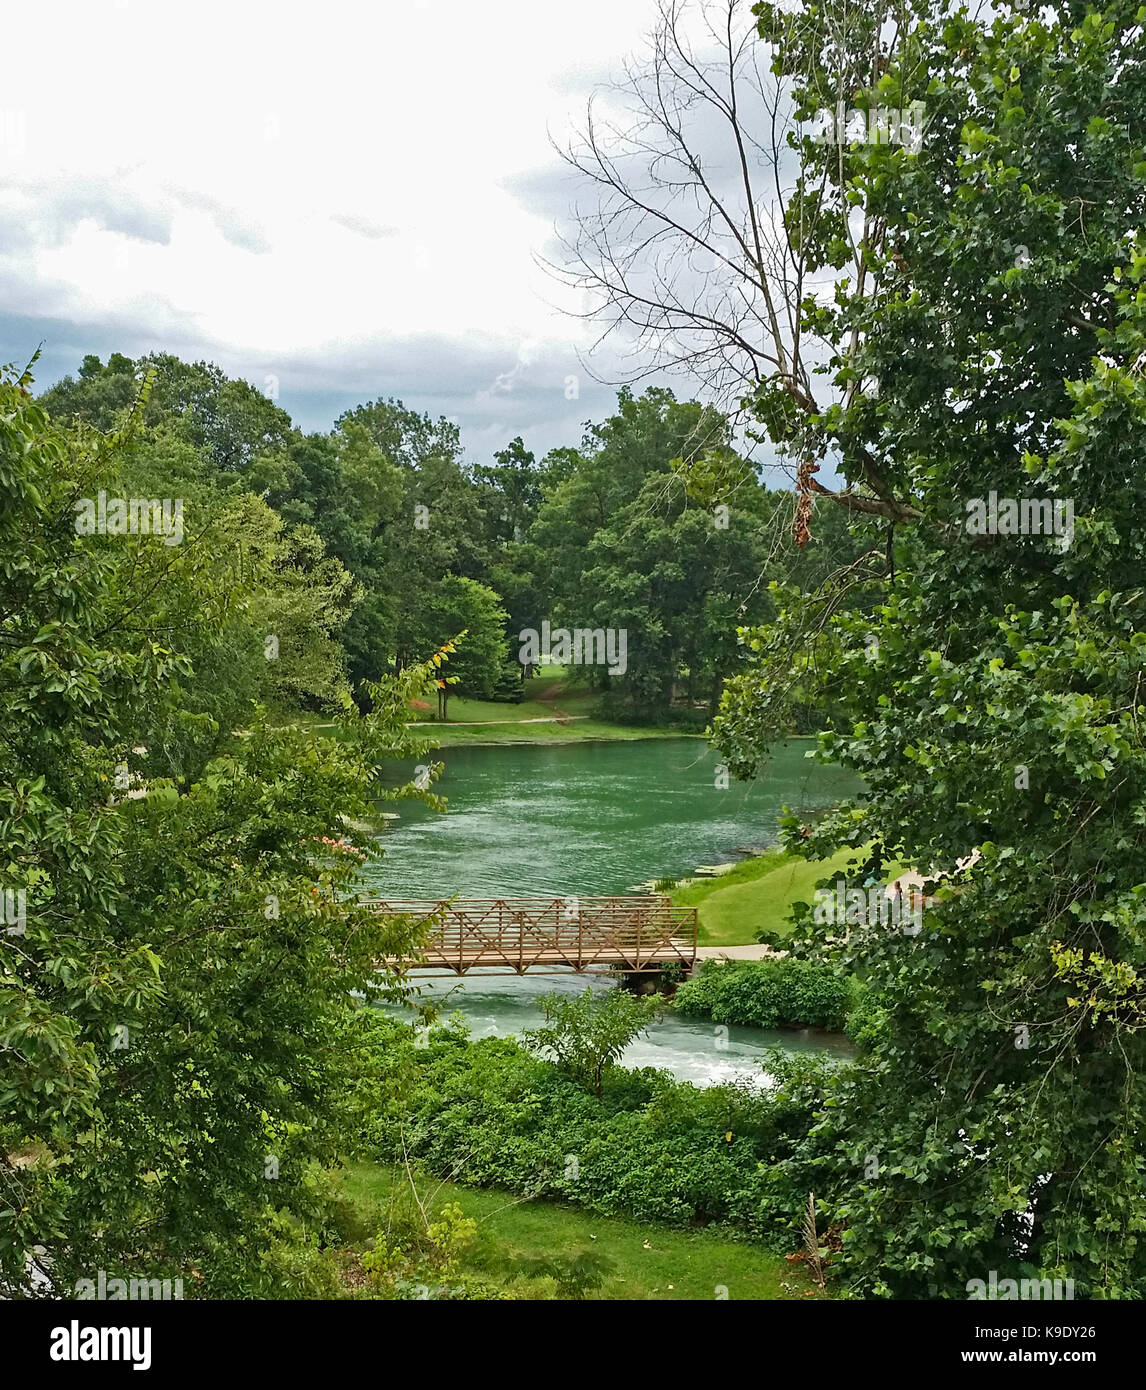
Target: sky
337, 202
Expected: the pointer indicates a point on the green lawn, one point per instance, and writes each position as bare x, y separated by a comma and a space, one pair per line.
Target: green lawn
557, 710
553, 694
650, 1262
558, 689
757, 893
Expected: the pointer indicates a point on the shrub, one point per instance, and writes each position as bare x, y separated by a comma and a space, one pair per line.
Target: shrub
586, 1034
867, 1018
697, 996
487, 1114
767, 994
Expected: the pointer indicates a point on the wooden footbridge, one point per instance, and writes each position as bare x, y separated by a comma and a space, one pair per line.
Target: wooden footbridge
510, 936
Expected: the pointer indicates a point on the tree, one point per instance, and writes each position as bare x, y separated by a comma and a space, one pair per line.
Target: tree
180, 1041
617, 456
230, 421
585, 1034
991, 699
422, 522
464, 610
688, 242
658, 528
678, 577
517, 482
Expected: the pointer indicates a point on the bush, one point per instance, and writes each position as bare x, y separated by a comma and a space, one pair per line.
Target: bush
487, 1114
586, 1034
767, 994
867, 1018
696, 997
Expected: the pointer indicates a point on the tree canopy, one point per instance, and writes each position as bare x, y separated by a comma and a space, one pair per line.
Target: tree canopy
991, 695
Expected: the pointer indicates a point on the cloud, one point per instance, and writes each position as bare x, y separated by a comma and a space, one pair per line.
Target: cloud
240, 231
48, 211
362, 226
323, 205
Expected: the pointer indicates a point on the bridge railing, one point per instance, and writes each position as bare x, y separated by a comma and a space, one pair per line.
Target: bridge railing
512, 935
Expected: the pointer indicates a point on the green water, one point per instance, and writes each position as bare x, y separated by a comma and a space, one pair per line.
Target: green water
594, 818
587, 818
692, 1049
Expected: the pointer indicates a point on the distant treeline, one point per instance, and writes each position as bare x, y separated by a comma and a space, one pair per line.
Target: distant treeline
395, 542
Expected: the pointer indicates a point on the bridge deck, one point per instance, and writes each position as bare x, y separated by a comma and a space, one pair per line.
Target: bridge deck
513, 935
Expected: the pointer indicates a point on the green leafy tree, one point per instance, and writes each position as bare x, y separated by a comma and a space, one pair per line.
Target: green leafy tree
422, 525
472, 614
991, 698
517, 481
586, 1034
180, 1038
230, 421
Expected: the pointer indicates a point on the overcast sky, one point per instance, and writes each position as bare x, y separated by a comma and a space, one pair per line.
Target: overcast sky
345, 198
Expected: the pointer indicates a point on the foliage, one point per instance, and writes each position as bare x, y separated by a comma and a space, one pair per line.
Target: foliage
586, 1034
487, 1113
472, 613
991, 698
576, 1276
766, 994
868, 1017
181, 1041
418, 1254
381, 542
644, 532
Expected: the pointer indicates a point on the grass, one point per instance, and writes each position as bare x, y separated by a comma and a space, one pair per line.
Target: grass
558, 710
648, 1262
512, 731
758, 893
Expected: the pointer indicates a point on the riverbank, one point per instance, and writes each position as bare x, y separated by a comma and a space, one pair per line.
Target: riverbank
549, 731
625, 1144
635, 1260
559, 708
757, 894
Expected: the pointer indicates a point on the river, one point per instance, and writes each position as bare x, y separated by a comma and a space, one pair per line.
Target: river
587, 818
594, 818
692, 1049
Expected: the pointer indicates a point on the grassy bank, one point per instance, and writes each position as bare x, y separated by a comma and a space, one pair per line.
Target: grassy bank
558, 709
644, 1261
758, 893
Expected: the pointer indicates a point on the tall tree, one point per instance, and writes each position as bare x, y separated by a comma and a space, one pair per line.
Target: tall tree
471, 613
177, 1028
992, 699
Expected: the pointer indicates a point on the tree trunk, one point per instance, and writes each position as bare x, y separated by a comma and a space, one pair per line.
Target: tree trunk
714, 700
